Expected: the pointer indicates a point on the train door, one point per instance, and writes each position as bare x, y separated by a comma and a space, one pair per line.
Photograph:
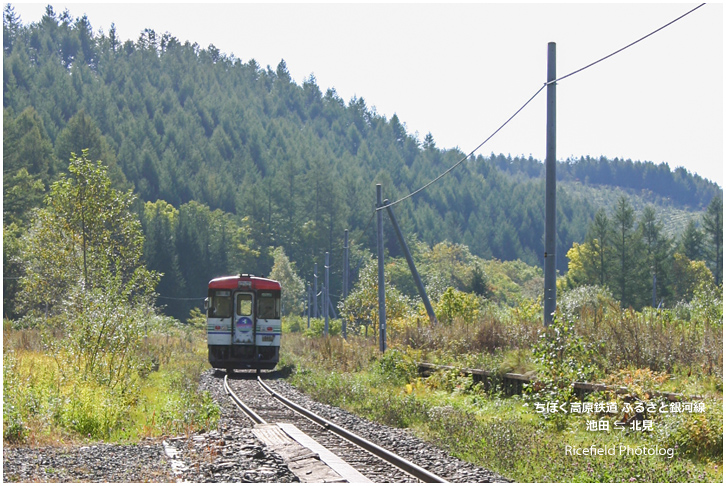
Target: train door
244, 319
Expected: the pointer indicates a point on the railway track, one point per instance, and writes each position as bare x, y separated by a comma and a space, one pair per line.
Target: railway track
262, 404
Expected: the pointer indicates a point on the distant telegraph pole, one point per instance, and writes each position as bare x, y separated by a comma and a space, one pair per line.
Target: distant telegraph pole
550, 277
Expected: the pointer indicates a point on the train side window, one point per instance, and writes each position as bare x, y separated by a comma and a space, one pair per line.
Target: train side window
244, 305
268, 307
221, 305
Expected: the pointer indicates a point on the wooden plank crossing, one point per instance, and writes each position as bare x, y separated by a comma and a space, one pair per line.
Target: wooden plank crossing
310, 461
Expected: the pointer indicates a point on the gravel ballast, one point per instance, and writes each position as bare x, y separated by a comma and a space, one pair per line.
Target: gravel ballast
231, 453
399, 441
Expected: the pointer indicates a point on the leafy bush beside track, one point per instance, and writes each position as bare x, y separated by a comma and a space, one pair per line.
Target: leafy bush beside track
43, 403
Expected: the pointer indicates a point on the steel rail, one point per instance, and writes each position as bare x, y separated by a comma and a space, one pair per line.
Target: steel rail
241, 405
398, 461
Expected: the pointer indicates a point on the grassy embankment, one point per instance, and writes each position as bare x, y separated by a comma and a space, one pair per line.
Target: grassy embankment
47, 402
675, 351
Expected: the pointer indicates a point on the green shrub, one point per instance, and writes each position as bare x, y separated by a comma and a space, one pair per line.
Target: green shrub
292, 324
562, 358
450, 381
197, 319
42, 399
317, 327
456, 304
93, 412
14, 429
398, 366
697, 434
584, 301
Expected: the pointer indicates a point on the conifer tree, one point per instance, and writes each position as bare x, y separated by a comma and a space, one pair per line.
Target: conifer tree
629, 279
657, 251
692, 241
599, 237
713, 226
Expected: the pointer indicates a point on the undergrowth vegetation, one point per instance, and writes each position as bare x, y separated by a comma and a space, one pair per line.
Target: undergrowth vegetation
89, 356
527, 437
50, 397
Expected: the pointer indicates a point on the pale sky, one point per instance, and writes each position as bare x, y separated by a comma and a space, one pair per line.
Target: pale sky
460, 70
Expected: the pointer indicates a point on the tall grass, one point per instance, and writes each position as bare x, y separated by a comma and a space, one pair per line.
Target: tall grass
502, 434
677, 350
686, 339
45, 402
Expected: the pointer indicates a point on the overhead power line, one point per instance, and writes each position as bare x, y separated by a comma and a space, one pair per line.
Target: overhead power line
629, 45
447, 171
465, 157
180, 298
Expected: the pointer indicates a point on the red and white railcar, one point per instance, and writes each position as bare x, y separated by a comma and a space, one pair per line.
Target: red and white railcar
243, 322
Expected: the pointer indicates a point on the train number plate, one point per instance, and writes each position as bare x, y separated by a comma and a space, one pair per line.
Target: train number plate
268, 339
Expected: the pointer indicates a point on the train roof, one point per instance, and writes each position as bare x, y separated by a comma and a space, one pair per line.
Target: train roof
240, 281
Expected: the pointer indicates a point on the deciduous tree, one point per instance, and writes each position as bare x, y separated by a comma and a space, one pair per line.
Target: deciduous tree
688, 276
293, 287
86, 236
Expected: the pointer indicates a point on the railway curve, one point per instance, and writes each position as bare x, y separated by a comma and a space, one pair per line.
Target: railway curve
414, 454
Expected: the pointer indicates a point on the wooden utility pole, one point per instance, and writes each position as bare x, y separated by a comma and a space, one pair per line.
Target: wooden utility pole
550, 269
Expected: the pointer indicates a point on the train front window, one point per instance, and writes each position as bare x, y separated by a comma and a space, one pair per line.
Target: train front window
268, 307
221, 305
244, 305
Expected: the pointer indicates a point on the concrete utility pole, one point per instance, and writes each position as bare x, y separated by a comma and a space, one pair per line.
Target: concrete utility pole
381, 279
315, 293
322, 309
411, 265
310, 296
326, 298
550, 276
345, 280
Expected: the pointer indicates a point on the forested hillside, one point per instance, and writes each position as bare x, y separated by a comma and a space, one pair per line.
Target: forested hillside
230, 159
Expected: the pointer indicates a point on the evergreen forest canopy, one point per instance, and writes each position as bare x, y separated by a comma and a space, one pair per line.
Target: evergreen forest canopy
230, 160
